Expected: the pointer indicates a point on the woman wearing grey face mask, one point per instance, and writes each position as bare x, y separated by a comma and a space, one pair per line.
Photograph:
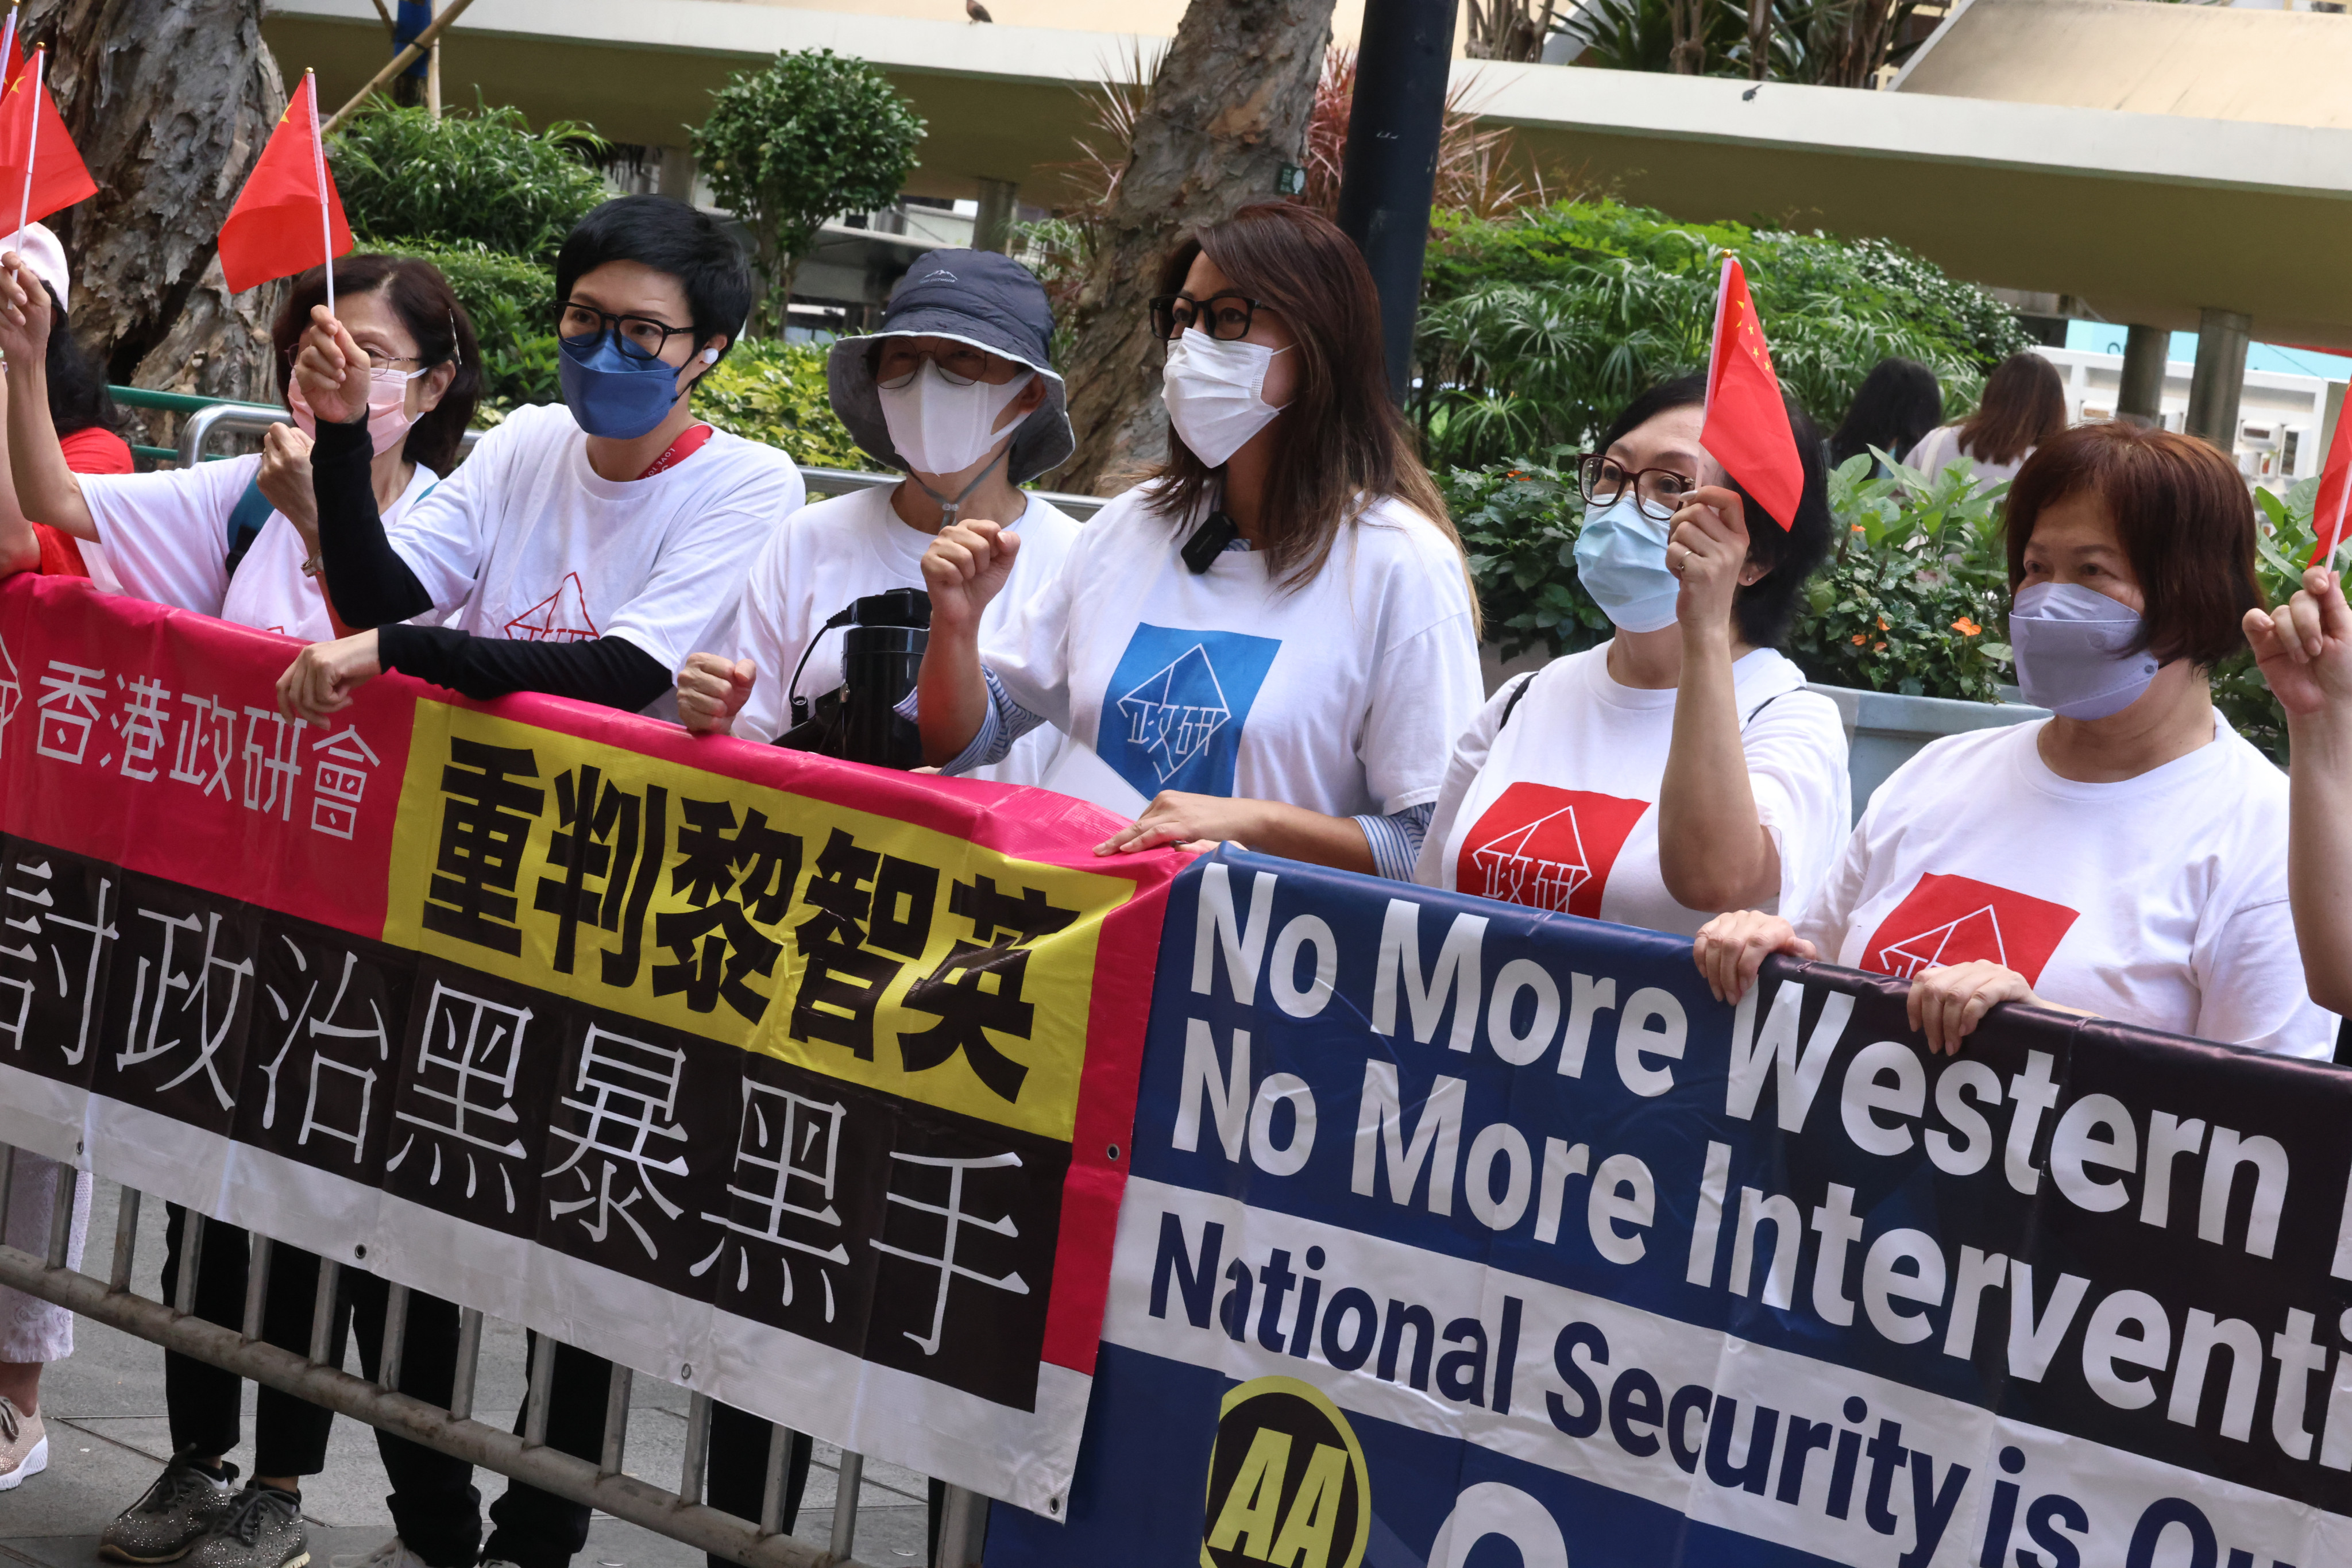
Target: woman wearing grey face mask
2125, 858
1681, 768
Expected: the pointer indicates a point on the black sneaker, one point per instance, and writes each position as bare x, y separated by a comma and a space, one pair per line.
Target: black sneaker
263, 1530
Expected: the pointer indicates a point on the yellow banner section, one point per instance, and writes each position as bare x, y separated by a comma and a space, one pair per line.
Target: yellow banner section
860, 946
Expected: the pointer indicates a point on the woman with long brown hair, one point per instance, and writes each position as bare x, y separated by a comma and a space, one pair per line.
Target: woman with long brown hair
1273, 640
2024, 404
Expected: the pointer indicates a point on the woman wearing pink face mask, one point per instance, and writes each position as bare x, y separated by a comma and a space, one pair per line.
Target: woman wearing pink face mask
238, 538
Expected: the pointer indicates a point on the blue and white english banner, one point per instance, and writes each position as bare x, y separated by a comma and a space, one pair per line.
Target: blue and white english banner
1462, 1234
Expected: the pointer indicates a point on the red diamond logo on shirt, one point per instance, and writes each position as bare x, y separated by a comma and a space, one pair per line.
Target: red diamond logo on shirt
561, 616
1548, 848
1957, 919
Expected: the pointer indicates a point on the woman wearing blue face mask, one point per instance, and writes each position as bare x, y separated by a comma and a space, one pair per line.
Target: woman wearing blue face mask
2126, 858
583, 550
1680, 768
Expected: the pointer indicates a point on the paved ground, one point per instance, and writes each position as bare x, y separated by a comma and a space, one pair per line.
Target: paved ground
108, 1439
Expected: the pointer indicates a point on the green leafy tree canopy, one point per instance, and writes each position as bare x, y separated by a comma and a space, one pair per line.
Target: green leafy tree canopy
485, 177
813, 135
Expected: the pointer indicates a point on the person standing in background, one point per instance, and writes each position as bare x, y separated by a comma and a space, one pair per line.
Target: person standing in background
2024, 404
1897, 404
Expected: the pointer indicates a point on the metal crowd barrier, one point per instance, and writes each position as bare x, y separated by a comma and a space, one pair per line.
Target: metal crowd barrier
679, 1514
208, 416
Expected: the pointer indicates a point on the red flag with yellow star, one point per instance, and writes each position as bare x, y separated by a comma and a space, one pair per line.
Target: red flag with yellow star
1747, 428
40, 171
287, 218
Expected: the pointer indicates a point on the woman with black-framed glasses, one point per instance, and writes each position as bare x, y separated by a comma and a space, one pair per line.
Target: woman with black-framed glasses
1271, 641
1681, 768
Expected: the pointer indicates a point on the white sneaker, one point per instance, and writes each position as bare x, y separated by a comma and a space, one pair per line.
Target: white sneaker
393, 1554
24, 1446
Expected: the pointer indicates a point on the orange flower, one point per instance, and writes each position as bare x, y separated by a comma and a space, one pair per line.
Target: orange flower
1878, 647
1965, 627
1860, 639
1882, 623
1858, 528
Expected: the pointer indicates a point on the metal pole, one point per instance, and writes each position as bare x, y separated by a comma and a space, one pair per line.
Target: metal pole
61, 1214
192, 1258
772, 1492
469, 1363
697, 1449
2220, 377
126, 1240
8, 1186
542, 1387
256, 1285
963, 1528
616, 1420
395, 1339
845, 1503
1390, 168
322, 1312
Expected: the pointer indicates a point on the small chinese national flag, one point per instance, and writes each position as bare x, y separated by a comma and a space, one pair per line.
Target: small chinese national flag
2335, 489
287, 218
33, 138
12, 51
1747, 428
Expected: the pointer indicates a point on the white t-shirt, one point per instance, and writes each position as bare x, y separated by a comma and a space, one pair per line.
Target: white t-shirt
825, 556
1342, 696
2160, 902
1939, 448
163, 537
525, 540
1558, 809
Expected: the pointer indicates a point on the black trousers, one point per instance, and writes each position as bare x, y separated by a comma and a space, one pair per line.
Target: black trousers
533, 1529
736, 1479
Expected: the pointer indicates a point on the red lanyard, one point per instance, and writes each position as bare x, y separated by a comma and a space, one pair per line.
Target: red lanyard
689, 443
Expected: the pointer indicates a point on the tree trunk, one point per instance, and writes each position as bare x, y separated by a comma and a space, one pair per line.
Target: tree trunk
170, 105
1229, 109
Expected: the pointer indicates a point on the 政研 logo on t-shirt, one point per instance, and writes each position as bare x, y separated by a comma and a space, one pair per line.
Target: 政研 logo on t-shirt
1957, 919
561, 616
1548, 848
1174, 711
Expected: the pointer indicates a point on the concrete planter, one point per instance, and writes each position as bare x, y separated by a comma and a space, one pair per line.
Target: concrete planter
1885, 731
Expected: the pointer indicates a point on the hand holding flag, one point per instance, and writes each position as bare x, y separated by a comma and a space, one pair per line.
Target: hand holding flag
25, 316
1747, 428
332, 370
288, 219
2305, 646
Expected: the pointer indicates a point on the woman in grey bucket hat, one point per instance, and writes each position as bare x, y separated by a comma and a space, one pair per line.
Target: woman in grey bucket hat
957, 391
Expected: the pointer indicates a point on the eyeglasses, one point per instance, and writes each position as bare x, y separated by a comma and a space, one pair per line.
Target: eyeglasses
1224, 317
639, 337
1659, 492
895, 361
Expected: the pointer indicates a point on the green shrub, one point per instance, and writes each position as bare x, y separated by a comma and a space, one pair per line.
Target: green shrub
1913, 597
1519, 524
485, 177
774, 392
1539, 327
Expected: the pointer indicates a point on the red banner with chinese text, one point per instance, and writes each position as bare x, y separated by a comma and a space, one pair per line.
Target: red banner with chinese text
805, 1084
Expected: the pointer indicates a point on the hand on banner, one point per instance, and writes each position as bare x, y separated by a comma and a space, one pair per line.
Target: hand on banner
285, 480
1196, 822
1731, 948
332, 370
1708, 551
1946, 1004
321, 681
965, 568
2305, 646
24, 312
712, 690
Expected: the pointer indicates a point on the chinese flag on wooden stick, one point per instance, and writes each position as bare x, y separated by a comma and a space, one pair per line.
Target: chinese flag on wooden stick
40, 171
1747, 428
287, 218
2334, 489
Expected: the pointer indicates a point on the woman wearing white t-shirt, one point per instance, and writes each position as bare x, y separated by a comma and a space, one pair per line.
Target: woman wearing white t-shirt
2024, 404
1681, 768
958, 390
1274, 640
240, 538
2125, 858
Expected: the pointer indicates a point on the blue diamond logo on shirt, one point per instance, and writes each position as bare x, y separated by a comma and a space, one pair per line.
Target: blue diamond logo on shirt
1173, 713
1175, 707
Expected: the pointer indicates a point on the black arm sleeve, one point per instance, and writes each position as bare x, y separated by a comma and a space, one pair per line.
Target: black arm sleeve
612, 671
370, 585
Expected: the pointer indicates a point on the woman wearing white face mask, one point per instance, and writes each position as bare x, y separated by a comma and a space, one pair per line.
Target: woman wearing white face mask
1681, 768
238, 538
1274, 640
958, 390
2125, 858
